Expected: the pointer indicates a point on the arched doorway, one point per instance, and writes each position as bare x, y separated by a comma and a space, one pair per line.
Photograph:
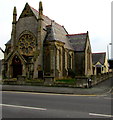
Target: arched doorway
16, 67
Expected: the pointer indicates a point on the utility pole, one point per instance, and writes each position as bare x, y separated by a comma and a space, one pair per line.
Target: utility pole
108, 49
111, 49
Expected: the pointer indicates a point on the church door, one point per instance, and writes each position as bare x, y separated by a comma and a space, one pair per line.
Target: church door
17, 67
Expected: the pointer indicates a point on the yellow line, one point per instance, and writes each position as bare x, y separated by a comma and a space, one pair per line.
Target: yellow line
51, 93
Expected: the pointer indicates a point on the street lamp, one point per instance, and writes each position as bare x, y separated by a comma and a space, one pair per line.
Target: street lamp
108, 49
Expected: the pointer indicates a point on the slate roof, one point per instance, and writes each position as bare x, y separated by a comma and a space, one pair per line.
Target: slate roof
57, 32
54, 30
47, 20
78, 41
98, 57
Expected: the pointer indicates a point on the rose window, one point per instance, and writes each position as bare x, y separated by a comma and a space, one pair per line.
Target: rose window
27, 44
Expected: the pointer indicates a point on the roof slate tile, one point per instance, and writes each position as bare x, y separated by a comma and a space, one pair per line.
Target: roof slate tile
98, 57
78, 41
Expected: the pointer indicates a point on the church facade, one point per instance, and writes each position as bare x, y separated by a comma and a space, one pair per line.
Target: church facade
41, 47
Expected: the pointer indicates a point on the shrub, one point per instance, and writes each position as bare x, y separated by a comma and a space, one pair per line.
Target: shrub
34, 80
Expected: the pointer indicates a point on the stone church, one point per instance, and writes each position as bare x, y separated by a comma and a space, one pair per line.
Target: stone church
41, 47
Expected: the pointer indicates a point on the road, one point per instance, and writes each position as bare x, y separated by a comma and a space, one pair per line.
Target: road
46, 105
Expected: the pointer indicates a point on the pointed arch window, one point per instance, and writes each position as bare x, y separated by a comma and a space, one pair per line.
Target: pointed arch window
70, 60
88, 58
59, 58
65, 60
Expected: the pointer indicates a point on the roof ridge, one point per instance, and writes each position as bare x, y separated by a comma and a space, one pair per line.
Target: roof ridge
76, 34
38, 12
34, 9
46, 16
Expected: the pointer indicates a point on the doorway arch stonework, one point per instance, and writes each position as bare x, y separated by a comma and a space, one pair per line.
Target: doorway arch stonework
16, 67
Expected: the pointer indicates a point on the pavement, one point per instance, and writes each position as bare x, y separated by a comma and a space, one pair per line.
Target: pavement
100, 89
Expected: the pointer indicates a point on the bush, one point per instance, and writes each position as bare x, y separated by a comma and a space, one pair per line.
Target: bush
34, 81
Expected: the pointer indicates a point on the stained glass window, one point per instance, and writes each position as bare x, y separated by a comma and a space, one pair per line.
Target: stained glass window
27, 44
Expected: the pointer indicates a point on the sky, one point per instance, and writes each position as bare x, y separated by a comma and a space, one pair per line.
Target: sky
77, 16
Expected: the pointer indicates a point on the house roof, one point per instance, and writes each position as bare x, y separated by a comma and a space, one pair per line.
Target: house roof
78, 41
54, 30
98, 57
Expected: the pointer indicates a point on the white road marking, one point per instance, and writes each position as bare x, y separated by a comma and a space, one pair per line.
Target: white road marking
101, 115
98, 96
109, 98
25, 107
105, 97
52, 93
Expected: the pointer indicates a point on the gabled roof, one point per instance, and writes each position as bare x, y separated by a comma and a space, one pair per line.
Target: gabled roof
98, 57
54, 30
13, 54
78, 41
27, 11
57, 33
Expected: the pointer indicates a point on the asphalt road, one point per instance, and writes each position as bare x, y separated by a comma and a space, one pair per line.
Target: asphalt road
45, 105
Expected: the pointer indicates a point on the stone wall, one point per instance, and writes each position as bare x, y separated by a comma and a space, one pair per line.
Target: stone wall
79, 81
95, 79
27, 23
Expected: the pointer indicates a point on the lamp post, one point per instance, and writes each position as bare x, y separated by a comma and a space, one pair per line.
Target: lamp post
111, 50
108, 49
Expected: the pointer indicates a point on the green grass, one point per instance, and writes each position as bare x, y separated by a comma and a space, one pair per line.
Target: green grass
34, 80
